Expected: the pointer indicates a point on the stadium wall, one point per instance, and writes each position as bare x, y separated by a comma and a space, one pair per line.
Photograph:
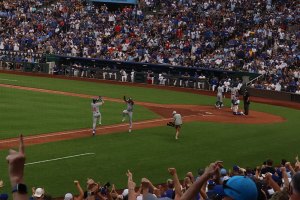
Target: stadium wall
270, 94
172, 73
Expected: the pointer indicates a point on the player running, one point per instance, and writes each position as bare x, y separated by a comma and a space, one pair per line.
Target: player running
96, 103
128, 111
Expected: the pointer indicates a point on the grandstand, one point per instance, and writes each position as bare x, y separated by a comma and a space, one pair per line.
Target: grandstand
252, 36
191, 44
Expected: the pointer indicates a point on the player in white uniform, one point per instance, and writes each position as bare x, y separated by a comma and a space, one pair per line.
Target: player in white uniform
235, 108
96, 112
128, 111
233, 96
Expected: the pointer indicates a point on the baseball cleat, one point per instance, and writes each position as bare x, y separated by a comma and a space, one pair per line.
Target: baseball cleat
100, 123
94, 132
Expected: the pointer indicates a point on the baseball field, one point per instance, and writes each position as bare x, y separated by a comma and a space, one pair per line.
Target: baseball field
55, 117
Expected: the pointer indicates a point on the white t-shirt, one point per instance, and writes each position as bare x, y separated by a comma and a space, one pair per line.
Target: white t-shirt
177, 119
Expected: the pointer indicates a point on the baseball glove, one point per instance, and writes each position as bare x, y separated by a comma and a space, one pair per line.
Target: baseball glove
171, 124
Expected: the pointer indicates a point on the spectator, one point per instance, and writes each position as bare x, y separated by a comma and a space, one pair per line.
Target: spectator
2, 196
69, 196
16, 162
294, 188
237, 187
268, 167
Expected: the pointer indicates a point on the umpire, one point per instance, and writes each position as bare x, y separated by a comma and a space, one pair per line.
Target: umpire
246, 98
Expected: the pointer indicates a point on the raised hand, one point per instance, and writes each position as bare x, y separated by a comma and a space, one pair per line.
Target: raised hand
16, 162
213, 168
129, 175
172, 171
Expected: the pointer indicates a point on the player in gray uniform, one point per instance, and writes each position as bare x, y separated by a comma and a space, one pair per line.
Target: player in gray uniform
128, 111
96, 103
220, 91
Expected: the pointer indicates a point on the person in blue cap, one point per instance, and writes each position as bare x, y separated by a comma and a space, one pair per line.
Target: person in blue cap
235, 188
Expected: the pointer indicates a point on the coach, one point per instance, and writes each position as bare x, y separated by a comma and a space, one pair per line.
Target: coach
246, 98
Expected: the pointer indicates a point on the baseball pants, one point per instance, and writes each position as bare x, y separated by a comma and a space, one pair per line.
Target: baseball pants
96, 117
129, 113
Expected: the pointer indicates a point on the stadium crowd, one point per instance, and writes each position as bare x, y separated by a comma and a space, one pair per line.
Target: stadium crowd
256, 36
214, 182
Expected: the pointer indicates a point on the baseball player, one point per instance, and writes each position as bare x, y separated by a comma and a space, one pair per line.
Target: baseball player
220, 91
96, 103
233, 96
128, 111
235, 108
177, 120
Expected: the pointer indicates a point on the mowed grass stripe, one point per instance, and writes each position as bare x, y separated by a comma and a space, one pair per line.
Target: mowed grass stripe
109, 90
149, 152
32, 113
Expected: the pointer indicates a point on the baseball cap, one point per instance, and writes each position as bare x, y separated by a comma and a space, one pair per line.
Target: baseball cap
174, 112
238, 188
125, 192
223, 171
68, 196
39, 192
211, 182
235, 168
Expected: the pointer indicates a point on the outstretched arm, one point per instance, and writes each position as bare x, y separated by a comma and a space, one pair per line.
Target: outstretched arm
285, 177
100, 99
16, 162
195, 187
131, 186
272, 183
80, 190
289, 166
178, 192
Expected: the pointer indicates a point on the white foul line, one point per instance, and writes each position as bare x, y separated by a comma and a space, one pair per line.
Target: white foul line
66, 157
78, 131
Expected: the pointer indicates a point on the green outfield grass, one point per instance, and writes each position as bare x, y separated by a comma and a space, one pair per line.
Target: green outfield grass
115, 91
149, 152
33, 113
